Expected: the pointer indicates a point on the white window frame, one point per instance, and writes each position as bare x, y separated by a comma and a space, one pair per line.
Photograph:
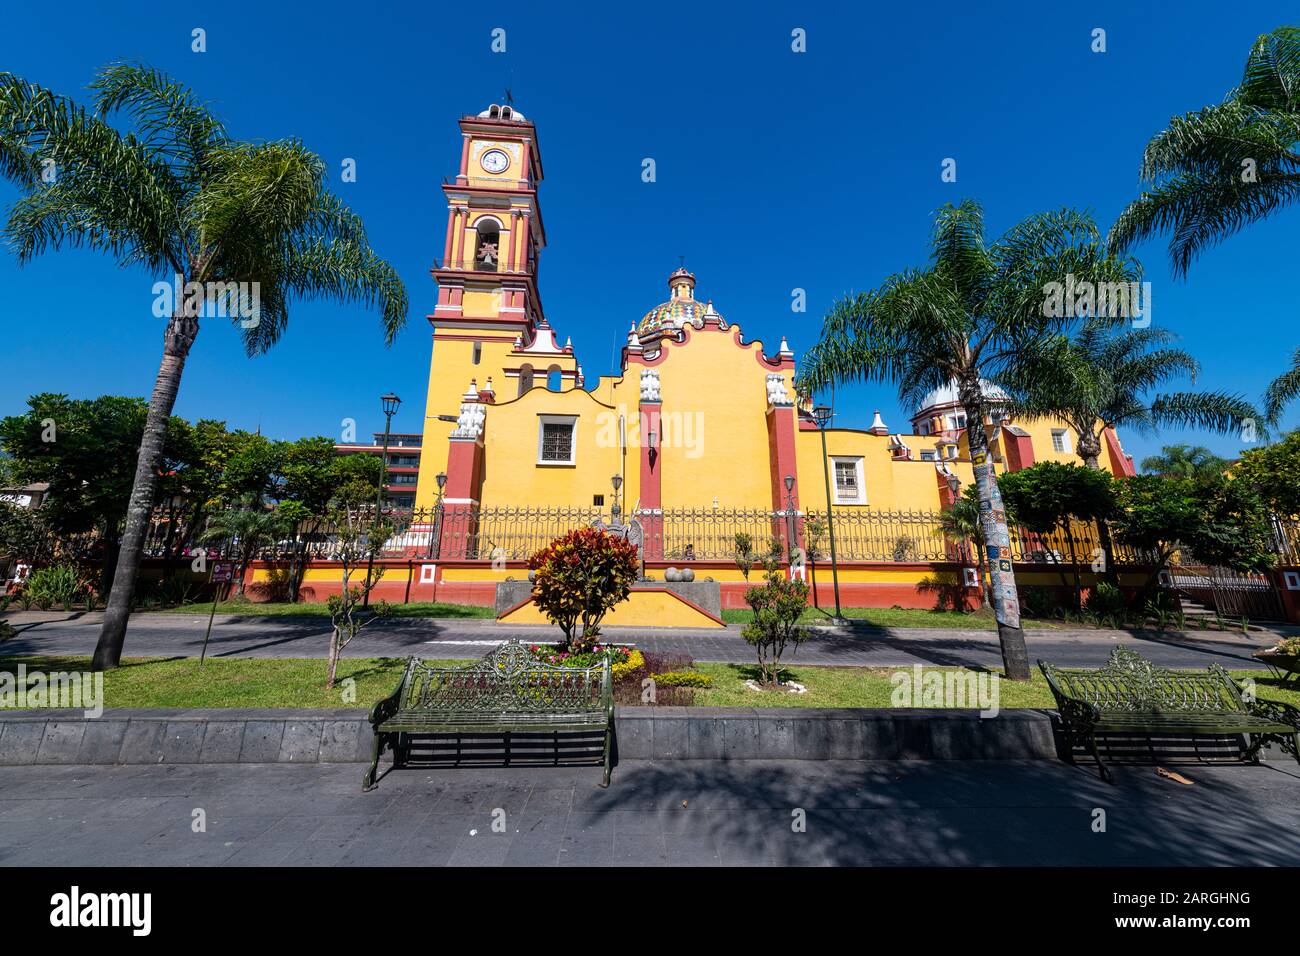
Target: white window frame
1064, 434
929, 454
572, 422
856, 462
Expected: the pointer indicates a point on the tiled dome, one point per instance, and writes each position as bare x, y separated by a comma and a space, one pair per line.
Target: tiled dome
670, 316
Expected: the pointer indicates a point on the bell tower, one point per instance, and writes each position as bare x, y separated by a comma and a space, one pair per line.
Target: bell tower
488, 323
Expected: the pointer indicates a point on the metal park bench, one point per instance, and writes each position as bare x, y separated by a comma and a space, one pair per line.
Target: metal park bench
1130, 696
508, 691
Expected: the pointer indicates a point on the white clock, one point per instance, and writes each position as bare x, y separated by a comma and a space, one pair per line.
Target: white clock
495, 161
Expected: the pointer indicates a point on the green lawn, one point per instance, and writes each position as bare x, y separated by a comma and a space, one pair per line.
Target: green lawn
263, 682
305, 609
896, 617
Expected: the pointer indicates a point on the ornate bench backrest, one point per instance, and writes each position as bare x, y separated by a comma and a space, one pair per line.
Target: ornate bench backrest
508, 681
1128, 682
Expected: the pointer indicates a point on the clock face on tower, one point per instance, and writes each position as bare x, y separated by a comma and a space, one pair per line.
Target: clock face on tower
495, 161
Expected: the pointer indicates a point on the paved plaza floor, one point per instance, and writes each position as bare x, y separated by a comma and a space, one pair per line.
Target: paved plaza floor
683, 813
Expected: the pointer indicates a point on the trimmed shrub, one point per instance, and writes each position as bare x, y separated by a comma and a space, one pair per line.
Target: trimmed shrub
683, 679
579, 577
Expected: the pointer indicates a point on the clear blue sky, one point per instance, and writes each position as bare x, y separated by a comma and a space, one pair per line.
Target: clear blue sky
736, 123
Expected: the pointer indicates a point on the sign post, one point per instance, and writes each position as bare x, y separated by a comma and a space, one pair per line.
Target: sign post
221, 574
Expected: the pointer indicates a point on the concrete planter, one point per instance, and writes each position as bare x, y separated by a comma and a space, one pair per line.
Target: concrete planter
641, 733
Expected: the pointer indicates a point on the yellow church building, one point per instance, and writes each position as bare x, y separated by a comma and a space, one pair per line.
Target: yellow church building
699, 436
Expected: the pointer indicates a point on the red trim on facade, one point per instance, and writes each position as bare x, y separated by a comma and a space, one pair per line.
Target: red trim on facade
1017, 449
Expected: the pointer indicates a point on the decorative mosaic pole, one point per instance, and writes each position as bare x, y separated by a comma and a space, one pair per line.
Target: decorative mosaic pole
997, 537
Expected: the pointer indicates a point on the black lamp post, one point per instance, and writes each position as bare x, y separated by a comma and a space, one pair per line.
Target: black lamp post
789, 518
435, 543
391, 404
615, 510
822, 415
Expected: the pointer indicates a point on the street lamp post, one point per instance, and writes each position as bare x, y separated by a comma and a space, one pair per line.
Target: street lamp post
435, 543
789, 518
614, 509
391, 404
822, 414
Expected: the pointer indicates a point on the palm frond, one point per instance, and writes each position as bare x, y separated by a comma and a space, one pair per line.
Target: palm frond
168, 117
1219, 412
1282, 391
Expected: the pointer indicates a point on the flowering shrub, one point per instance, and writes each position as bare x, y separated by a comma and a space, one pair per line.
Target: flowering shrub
579, 577
619, 657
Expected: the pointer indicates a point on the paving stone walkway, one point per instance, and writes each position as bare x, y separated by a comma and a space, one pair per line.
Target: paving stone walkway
698, 813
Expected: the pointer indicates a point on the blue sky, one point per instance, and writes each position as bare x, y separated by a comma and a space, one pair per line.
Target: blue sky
739, 127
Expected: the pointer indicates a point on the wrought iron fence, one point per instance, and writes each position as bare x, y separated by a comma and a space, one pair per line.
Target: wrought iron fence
500, 534
673, 534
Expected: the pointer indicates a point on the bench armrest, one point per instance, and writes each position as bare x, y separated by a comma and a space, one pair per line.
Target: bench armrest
386, 707
1075, 711
1276, 710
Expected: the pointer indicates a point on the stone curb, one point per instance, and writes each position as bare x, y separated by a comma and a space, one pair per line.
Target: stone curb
641, 733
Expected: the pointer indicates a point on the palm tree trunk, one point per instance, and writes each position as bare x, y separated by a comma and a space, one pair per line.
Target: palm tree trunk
993, 518
180, 334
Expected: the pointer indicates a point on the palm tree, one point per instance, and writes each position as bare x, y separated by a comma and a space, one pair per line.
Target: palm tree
248, 528
968, 318
1184, 461
1282, 391
181, 199
960, 521
1217, 170
1105, 376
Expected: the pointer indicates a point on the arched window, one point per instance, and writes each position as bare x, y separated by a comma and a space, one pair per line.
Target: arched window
487, 251
525, 378
494, 111
554, 380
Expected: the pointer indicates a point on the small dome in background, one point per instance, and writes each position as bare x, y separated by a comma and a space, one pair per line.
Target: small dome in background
497, 112
947, 395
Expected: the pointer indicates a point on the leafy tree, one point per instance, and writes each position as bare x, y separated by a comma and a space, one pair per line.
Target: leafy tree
744, 553
1184, 461
1217, 170
358, 540
1105, 376
1219, 520
1274, 472
777, 604
579, 577
250, 468
23, 535
247, 529
311, 476
975, 314
178, 197
1050, 496
85, 449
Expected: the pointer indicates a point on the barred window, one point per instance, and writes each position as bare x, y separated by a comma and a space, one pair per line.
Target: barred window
848, 481
1060, 440
555, 441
